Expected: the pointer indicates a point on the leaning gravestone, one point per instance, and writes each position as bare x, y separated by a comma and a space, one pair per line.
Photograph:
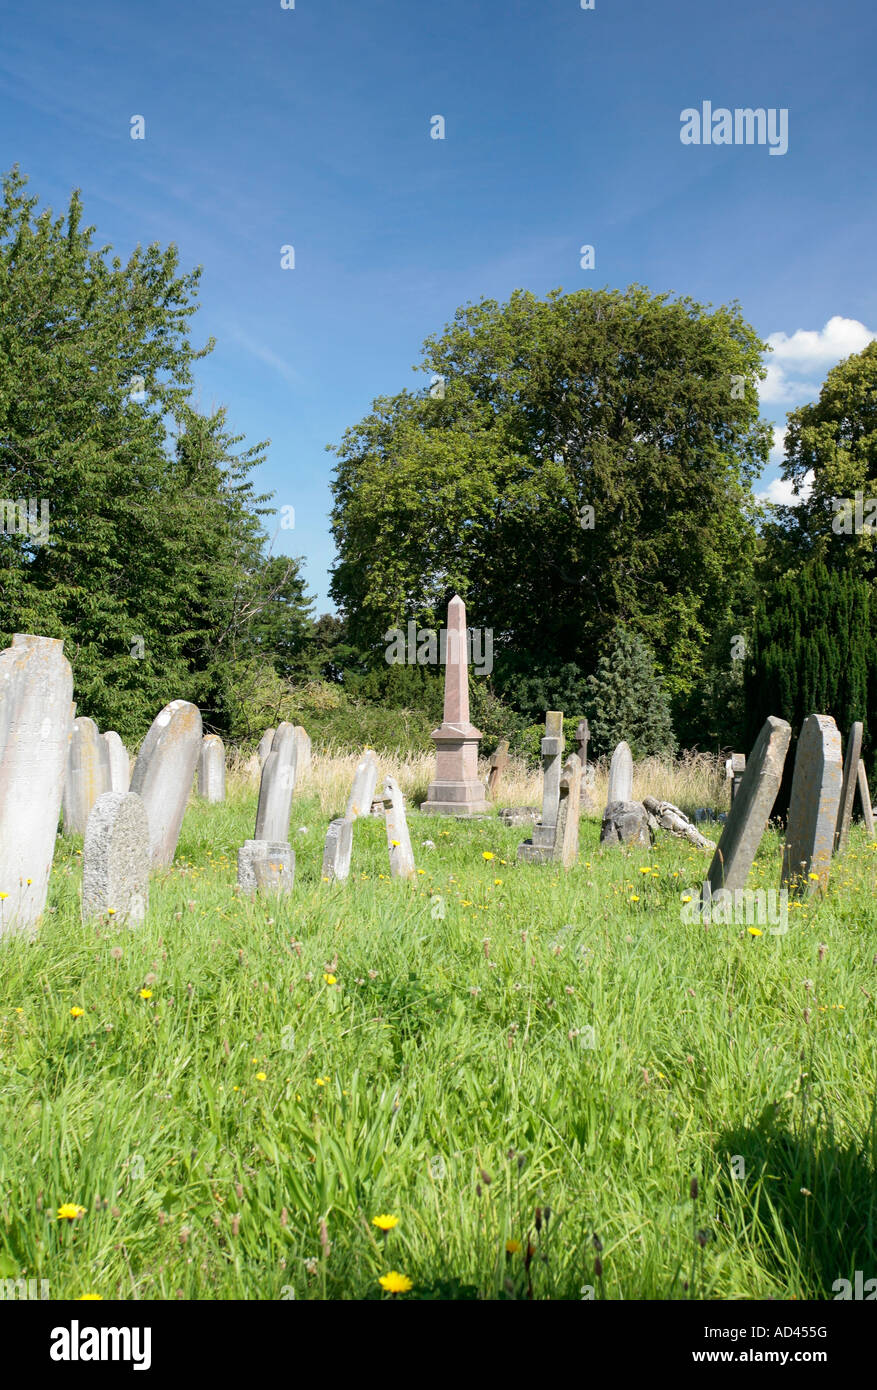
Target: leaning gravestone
36, 686
275, 798
285, 743
540, 848
211, 769
812, 822
163, 775
338, 849
120, 763
398, 839
751, 808
362, 792
88, 774
566, 838
265, 743
848, 788
620, 775
498, 762
302, 750
266, 866
115, 859
865, 799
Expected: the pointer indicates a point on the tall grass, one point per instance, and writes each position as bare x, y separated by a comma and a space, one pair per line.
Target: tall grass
458, 1052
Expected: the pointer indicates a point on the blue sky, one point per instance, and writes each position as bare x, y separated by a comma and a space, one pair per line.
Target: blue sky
310, 127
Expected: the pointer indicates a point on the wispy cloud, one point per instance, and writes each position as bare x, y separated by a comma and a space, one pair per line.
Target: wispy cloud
265, 354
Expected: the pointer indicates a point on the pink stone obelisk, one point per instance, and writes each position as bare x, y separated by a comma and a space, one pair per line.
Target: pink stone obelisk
456, 790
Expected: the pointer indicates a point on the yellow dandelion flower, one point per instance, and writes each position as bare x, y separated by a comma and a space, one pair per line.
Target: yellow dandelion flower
512, 1247
4, 895
84, 1297
395, 843
69, 1211
497, 882
330, 979
385, 1222
634, 898
261, 1076
146, 994
755, 931
394, 1282
815, 877
686, 897
487, 854
76, 1012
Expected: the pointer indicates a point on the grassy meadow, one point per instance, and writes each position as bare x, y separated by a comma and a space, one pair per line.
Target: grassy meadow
558, 1087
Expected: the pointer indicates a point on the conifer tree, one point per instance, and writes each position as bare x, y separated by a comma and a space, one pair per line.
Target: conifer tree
627, 699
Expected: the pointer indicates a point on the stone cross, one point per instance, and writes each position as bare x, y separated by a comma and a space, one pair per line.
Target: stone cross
620, 775
566, 830
848, 788
540, 849
498, 762
120, 763
583, 735
115, 859
211, 769
88, 774
362, 792
265, 743
398, 839
36, 688
865, 799
338, 849
751, 808
812, 822
457, 789
163, 774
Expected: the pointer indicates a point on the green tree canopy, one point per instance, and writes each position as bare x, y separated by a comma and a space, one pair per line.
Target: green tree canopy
641, 408
153, 548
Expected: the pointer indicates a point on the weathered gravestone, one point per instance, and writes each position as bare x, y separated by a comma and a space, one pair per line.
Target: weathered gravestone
115, 859
211, 769
738, 768
620, 775
338, 849
398, 839
812, 821
865, 799
163, 775
583, 735
362, 793
540, 848
626, 823
88, 774
848, 787
566, 830
36, 685
120, 763
302, 750
498, 763
265, 743
285, 743
266, 866
275, 798
750, 812
457, 789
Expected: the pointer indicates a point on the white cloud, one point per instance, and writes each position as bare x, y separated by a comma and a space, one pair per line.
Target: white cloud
777, 452
781, 493
809, 353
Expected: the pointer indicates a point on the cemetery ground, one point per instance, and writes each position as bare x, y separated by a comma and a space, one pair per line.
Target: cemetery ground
552, 1085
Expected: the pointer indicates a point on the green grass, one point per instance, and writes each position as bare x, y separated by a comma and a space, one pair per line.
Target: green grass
456, 1090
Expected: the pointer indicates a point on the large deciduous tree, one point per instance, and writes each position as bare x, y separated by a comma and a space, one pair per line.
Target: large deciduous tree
573, 463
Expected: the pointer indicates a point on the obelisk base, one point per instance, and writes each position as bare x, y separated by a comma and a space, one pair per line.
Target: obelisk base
457, 789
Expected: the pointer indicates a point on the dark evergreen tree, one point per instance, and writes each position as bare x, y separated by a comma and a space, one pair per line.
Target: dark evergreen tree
627, 699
